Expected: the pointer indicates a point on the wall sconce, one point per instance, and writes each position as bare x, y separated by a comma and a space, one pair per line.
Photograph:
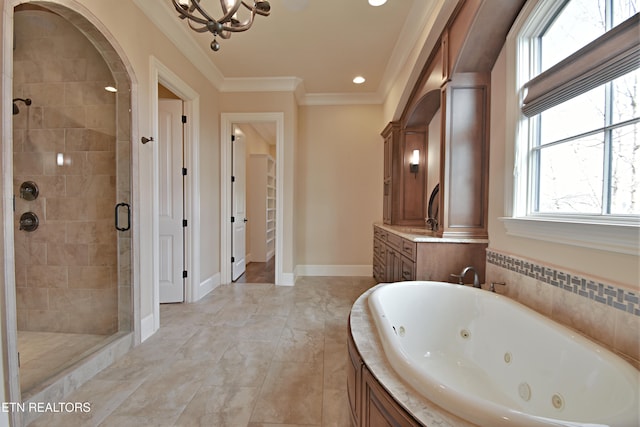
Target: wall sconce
414, 162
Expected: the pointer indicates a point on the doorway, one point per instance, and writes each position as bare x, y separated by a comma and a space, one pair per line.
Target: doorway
254, 156
251, 120
162, 76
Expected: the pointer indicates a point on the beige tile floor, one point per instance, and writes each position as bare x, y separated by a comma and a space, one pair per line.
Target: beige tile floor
251, 355
44, 354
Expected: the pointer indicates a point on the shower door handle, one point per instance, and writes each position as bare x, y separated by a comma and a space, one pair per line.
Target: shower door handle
117, 216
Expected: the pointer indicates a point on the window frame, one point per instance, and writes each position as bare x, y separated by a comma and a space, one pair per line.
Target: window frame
614, 233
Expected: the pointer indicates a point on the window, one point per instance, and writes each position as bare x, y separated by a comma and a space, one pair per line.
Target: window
576, 72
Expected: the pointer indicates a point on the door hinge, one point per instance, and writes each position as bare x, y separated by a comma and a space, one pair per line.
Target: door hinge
233, 178
18, 359
184, 274
184, 222
233, 219
233, 259
184, 119
184, 171
233, 138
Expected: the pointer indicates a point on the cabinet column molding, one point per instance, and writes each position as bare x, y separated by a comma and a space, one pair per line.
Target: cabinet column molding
464, 156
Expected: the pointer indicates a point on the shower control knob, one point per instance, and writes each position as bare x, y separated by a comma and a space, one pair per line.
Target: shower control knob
29, 222
29, 190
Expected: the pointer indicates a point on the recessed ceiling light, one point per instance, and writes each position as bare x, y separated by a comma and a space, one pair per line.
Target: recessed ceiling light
110, 89
359, 80
377, 2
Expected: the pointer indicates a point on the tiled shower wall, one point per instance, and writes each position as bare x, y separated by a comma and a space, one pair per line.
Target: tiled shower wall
66, 270
604, 312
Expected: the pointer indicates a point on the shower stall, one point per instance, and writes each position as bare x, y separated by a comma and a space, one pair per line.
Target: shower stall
72, 188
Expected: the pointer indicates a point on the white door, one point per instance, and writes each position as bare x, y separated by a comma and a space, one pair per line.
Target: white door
171, 200
238, 207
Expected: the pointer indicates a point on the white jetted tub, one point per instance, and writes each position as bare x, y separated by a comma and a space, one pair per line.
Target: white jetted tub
495, 362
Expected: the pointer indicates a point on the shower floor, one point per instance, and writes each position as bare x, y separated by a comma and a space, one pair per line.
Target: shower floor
45, 354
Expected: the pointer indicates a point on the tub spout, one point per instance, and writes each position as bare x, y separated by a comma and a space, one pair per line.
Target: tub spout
476, 279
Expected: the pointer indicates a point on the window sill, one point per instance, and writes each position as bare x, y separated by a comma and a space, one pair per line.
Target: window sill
620, 237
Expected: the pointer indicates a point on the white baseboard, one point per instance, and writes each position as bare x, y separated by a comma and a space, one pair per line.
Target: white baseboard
334, 270
207, 286
147, 327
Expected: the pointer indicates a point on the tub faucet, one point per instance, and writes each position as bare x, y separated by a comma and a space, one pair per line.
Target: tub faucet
476, 279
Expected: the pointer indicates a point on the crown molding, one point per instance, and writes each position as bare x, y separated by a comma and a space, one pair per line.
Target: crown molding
369, 98
411, 34
260, 84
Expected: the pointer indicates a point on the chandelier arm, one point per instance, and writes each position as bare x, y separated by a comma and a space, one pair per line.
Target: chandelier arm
205, 15
189, 16
245, 26
202, 29
229, 12
240, 28
254, 9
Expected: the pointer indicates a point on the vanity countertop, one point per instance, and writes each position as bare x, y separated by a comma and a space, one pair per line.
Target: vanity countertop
425, 235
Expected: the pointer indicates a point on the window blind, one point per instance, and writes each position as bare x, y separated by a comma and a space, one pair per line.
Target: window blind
612, 55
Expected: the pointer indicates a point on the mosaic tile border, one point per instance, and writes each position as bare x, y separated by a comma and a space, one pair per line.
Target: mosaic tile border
612, 296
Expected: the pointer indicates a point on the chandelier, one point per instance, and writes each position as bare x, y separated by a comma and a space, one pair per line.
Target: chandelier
201, 21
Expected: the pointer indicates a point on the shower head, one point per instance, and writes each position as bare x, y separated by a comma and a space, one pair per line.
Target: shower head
26, 101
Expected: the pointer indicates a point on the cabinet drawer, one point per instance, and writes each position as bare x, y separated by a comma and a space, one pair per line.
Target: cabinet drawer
395, 241
409, 249
378, 248
379, 233
408, 269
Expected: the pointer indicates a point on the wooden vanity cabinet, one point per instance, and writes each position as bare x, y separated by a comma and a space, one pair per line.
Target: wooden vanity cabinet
404, 195
369, 403
396, 259
447, 118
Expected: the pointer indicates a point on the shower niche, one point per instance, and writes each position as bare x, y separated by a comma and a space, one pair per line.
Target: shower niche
71, 167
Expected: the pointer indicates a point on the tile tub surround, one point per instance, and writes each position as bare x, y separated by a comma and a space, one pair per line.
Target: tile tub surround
368, 344
247, 355
606, 313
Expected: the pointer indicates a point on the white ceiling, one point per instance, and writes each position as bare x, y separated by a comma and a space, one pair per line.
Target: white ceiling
313, 47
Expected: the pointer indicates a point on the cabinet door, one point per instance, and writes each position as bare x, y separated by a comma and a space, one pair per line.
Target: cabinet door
378, 409
354, 380
387, 200
392, 265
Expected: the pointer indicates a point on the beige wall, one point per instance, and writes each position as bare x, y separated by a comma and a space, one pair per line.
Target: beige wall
140, 39
339, 178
